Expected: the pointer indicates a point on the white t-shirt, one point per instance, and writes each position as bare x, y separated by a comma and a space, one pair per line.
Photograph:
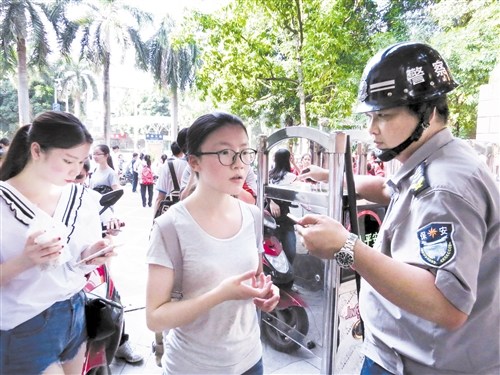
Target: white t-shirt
165, 183
36, 289
107, 177
225, 340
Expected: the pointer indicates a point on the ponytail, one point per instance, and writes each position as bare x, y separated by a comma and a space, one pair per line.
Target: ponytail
104, 148
110, 161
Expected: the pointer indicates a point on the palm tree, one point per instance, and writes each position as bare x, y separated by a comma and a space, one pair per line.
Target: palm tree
21, 27
78, 82
173, 65
107, 24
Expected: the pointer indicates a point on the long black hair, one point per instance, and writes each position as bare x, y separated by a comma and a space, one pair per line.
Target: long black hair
50, 130
281, 165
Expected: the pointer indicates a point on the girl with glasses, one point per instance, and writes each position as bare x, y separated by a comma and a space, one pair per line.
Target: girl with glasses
104, 177
214, 328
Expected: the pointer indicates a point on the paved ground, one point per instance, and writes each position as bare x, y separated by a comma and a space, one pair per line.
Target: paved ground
129, 273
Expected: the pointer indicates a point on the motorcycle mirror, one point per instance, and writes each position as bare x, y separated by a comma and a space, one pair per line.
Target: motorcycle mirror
269, 220
109, 199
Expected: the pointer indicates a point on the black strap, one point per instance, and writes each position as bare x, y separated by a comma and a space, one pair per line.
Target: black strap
172, 173
353, 210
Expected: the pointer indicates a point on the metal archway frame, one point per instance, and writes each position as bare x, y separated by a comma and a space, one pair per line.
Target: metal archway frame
334, 145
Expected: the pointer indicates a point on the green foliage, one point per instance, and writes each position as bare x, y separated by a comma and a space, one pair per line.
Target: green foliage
260, 55
155, 105
8, 108
147, 103
41, 96
23, 20
469, 39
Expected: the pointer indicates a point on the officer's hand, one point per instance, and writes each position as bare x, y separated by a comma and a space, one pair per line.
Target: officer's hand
322, 235
315, 173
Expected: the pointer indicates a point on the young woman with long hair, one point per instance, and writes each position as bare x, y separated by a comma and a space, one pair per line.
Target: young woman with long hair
281, 174
48, 225
103, 178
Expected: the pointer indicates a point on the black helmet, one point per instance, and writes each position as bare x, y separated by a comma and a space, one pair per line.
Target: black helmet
402, 74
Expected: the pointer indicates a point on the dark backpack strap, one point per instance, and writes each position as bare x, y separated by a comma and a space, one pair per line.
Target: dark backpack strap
174, 176
353, 210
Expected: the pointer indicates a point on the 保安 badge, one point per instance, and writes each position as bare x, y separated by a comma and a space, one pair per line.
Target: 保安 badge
436, 243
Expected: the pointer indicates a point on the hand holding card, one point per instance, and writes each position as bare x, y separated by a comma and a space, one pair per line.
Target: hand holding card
294, 218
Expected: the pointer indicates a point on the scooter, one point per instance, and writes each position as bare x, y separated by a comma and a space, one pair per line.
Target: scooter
125, 178
100, 352
287, 325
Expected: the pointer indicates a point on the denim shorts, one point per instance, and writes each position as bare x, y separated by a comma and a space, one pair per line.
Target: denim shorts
257, 369
54, 335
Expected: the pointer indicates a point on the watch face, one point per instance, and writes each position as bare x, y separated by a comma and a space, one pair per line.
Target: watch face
344, 259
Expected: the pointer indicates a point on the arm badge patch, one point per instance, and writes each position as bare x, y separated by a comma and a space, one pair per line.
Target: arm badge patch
436, 243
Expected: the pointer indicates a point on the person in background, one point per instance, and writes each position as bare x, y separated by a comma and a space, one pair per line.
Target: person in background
305, 161
430, 292
43, 236
104, 177
214, 328
374, 166
295, 165
5, 143
146, 180
112, 225
4, 146
135, 175
138, 165
165, 184
281, 174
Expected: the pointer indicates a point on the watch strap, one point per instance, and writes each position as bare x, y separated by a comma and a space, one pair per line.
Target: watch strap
345, 256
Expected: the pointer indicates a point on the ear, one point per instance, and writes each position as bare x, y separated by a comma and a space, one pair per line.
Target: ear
36, 151
433, 114
194, 163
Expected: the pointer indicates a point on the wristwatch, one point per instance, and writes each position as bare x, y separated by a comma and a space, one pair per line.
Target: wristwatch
345, 256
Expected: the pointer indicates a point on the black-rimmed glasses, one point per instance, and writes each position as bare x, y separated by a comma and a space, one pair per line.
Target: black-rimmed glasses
227, 157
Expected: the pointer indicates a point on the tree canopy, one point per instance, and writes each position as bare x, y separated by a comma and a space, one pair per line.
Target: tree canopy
302, 59
270, 61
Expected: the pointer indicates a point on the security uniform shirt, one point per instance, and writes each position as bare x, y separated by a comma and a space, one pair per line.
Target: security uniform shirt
443, 217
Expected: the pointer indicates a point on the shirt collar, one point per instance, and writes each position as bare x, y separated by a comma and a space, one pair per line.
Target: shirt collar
437, 141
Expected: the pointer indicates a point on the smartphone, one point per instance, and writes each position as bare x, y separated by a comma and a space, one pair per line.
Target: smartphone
294, 218
99, 253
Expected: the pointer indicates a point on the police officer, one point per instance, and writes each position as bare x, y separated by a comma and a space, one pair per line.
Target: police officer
430, 291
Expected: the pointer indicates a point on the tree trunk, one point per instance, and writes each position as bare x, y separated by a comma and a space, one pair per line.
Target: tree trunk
299, 38
23, 99
106, 100
77, 104
175, 113
302, 95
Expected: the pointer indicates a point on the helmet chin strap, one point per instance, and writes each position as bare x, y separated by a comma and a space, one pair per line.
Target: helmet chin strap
391, 153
